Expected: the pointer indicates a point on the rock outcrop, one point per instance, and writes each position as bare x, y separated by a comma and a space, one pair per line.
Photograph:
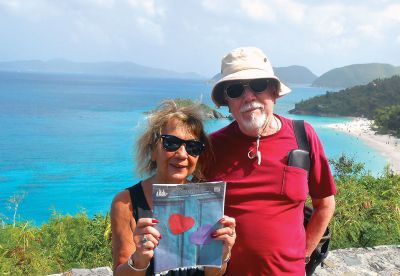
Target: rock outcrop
370, 261
378, 260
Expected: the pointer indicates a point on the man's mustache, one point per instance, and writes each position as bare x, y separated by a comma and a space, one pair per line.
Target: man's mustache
250, 106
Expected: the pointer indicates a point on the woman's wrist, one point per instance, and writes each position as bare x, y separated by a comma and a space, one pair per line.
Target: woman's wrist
135, 265
227, 258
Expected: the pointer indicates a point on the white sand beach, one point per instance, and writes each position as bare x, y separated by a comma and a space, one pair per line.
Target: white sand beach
388, 145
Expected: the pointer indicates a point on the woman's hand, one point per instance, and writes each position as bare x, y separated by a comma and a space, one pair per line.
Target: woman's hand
227, 234
146, 238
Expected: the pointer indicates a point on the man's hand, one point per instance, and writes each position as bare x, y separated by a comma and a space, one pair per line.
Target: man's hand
323, 212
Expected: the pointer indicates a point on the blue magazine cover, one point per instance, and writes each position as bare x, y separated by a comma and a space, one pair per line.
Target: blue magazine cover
188, 214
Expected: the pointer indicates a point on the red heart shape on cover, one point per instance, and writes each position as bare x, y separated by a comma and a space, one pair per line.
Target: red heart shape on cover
179, 223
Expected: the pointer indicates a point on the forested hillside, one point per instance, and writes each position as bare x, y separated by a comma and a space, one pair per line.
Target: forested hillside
379, 100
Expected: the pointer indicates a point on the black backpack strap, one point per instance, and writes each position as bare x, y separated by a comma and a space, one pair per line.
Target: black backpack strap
301, 135
321, 251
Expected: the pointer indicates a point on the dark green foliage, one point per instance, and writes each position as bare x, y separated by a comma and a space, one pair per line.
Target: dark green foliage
387, 120
63, 243
358, 101
356, 74
207, 111
367, 207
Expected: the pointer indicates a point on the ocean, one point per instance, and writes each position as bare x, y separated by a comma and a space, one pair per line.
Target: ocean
67, 141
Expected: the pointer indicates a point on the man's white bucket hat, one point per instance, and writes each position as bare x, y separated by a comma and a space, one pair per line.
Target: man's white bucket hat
244, 63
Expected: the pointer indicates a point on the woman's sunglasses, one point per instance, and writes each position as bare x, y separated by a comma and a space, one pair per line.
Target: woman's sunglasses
236, 89
173, 143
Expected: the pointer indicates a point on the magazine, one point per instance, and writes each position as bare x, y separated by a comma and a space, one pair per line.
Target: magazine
188, 214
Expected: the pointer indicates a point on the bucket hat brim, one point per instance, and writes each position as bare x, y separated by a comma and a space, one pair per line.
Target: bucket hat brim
218, 96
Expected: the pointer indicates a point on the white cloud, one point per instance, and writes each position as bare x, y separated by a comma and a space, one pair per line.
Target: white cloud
294, 11
392, 12
148, 6
102, 3
398, 39
258, 10
130, 29
216, 6
12, 5
370, 31
84, 30
151, 30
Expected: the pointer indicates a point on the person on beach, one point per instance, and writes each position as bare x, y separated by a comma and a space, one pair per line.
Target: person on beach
264, 194
169, 151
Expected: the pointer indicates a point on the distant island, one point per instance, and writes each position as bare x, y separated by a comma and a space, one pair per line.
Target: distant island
295, 74
124, 69
343, 77
290, 74
355, 74
378, 100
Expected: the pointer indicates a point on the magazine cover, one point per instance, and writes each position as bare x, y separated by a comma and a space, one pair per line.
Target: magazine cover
188, 214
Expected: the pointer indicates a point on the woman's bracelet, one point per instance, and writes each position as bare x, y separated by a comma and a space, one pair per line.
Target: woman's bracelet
130, 264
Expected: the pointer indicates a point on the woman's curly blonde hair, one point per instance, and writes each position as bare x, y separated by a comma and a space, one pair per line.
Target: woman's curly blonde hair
190, 117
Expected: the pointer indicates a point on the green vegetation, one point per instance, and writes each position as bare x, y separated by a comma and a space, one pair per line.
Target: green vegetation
367, 214
63, 243
367, 207
207, 111
356, 74
378, 100
387, 120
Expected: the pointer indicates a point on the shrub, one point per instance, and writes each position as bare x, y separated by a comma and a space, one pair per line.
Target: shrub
63, 243
367, 207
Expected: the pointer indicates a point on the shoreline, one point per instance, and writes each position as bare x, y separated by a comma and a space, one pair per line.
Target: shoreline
387, 145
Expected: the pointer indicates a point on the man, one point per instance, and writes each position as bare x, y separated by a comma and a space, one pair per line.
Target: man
264, 194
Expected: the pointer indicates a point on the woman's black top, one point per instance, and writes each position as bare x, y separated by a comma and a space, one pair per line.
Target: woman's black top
142, 210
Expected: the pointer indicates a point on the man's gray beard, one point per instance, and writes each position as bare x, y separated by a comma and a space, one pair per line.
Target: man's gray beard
255, 123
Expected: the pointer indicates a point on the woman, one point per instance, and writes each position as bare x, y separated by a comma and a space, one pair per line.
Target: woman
164, 155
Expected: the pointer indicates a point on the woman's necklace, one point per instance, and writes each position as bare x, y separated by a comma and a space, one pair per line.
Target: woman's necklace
257, 154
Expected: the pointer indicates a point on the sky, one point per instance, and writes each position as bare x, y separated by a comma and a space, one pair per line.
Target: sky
193, 35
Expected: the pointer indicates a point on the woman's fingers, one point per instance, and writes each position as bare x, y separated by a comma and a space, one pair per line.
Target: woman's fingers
227, 233
146, 236
146, 226
228, 222
148, 242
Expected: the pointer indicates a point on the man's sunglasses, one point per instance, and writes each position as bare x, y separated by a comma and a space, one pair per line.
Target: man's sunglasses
236, 89
173, 143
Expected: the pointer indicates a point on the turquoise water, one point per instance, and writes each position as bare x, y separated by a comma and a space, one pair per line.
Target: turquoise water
67, 141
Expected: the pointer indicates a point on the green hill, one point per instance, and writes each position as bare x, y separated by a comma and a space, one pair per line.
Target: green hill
355, 74
295, 74
358, 101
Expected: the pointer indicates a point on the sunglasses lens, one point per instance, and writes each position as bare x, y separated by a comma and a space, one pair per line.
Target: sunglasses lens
234, 90
259, 85
194, 148
173, 143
